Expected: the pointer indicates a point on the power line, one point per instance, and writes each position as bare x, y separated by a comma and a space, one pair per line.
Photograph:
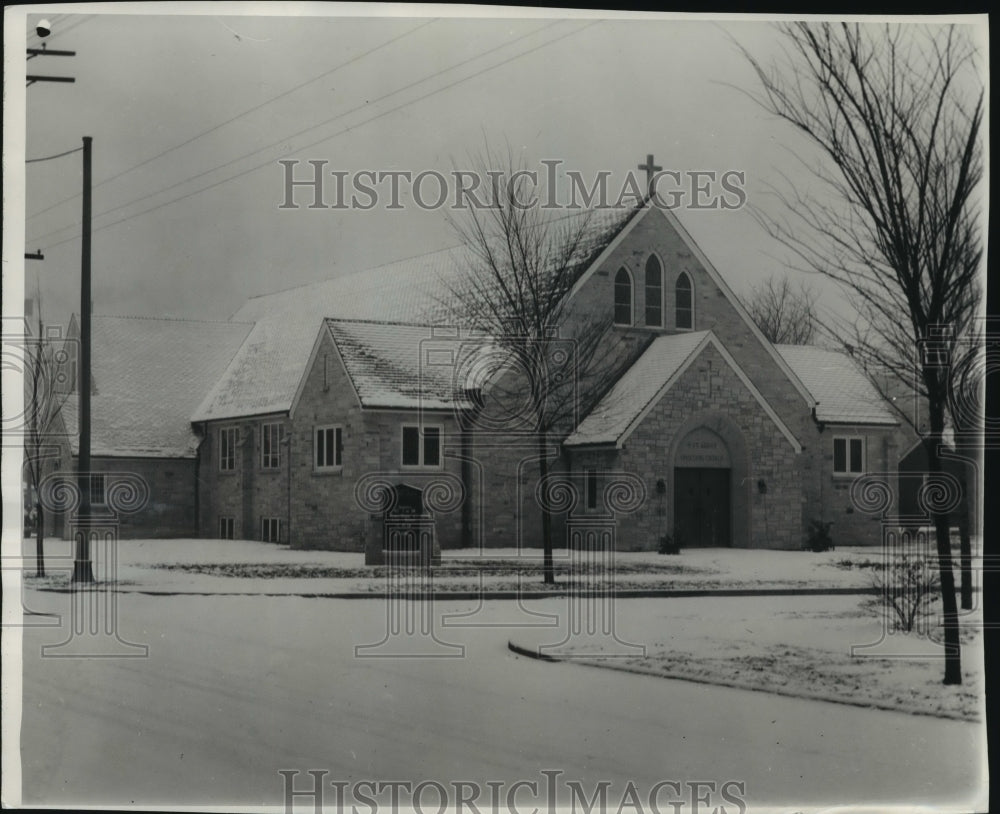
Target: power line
238, 116
325, 138
50, 157
320, 141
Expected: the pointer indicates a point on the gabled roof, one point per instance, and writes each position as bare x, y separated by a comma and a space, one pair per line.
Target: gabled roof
264, 376
384, 362
149, 374
265, 372
712, 272
843, 392
642, 386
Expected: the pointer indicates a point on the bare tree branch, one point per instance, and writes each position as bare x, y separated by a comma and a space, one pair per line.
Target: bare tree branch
514, 290
43, 398
784, 316
895, 114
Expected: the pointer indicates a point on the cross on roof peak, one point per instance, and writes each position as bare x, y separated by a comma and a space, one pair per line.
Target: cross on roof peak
651, 170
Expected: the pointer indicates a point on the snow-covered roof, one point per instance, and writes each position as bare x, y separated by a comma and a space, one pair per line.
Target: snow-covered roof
265, 374
392, 365
843, 392
641, 387
636, 389
148, 375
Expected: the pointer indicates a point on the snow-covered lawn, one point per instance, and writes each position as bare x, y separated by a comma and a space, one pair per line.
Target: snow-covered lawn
238, 688
798, 646
240, 566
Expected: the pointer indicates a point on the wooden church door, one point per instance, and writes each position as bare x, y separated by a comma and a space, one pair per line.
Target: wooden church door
701, 507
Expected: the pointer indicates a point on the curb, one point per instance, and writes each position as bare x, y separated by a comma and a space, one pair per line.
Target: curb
520, 650
531, 654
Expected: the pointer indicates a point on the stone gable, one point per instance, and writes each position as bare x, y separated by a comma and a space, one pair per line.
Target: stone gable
710, 395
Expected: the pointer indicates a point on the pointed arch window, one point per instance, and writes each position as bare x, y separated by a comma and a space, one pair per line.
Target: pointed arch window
654, 293
623, 297
684, 303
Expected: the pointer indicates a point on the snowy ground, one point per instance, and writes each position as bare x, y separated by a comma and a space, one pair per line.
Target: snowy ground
236, 688
779, 646
238, 566
837, 648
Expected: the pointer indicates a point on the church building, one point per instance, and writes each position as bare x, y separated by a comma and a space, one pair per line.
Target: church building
319, 415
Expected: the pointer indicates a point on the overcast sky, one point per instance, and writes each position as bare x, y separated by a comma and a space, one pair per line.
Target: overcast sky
194, 231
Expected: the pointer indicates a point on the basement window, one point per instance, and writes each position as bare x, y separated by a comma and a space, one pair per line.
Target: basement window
270, 529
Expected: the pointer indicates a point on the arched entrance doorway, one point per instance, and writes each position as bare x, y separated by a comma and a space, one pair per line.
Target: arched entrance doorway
702, 490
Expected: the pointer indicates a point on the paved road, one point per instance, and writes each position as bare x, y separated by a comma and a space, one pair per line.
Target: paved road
237, 688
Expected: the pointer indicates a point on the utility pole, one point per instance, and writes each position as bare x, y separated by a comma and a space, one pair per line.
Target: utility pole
83, 570
46, 52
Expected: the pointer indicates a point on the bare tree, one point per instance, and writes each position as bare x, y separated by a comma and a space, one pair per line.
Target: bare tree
784, 315
514, 289
44, 398
896, 114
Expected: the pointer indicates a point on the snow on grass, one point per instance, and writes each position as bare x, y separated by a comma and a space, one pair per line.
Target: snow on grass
798, 646
243, 566
801, 646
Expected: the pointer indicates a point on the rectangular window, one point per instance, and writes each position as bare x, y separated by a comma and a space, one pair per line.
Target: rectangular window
270, 529
270, 446
591, 482
857, 461
411, 446
227, 449
848, 456
432, 446
227, 528
421, 446
328, 447
97, 490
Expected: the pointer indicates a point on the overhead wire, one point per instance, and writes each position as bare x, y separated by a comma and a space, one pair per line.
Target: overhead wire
238, 116
269, 162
